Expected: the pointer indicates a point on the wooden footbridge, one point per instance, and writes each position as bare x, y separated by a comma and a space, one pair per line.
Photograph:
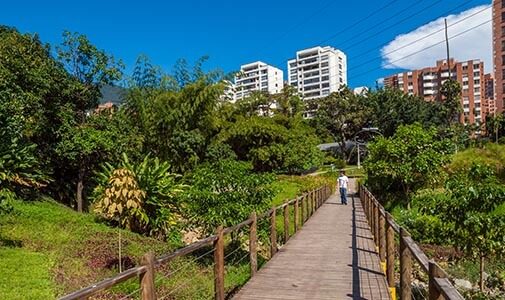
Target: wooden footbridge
332, 251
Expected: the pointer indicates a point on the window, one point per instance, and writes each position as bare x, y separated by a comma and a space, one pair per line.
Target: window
325, 71
503, 45
324, 57
411, 84
476, 66
325, 64
264, 77
341, 80
325, 78
465, 68
476, 81
503, 31
476, 90
476, 74
503, 73
502, 3
503, 16
325, 85
340, 66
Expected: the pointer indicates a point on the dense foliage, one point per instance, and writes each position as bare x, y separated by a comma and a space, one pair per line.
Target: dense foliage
412, 158
226, 191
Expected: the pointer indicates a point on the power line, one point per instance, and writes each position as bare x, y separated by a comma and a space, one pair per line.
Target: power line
411, 43
423, 49
380, 9
393, 25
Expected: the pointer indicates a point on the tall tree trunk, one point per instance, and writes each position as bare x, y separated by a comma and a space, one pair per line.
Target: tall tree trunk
80, 188
481, 279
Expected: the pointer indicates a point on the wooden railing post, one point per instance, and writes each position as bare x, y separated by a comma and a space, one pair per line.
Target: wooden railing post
390, 250
382, 237
253, 240
376, 222
302, 210
273, 233
219, 265
405, 267
434, 272
372, 218
286, 223
147, 289
297, 216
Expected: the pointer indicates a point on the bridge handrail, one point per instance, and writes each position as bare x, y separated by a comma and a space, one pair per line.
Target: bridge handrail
312, 200
384, 227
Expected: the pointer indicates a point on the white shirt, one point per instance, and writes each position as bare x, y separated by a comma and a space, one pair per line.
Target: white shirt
343, 181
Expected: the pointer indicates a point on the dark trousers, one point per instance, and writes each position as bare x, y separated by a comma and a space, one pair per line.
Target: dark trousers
343, 195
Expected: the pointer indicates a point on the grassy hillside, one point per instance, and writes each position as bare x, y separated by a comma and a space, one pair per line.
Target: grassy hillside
49, 250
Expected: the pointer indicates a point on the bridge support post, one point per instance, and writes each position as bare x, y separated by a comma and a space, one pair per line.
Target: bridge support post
390, 259
435, 272
286, 223
297, 216
273, 233
219, 265
147, 289
253, 254
405, 267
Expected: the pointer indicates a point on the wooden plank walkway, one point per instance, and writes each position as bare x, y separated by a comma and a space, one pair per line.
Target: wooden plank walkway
332, 257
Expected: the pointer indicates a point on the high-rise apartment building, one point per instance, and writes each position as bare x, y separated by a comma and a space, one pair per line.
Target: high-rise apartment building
258, 76
428, 81
317, 72
499, 53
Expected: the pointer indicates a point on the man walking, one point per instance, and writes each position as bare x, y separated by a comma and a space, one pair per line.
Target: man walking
343, 181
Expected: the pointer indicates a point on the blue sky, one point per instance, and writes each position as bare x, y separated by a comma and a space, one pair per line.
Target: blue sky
237, 32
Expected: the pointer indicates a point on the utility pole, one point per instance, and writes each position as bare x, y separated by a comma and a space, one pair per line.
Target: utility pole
447, 47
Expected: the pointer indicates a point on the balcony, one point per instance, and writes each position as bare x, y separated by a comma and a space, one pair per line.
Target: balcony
430, 77
430, 84
429, 92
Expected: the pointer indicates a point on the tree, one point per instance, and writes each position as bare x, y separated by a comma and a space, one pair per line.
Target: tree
33, 90
341, 115
273, 144
451, 104
476, 196
90, 66
412, 158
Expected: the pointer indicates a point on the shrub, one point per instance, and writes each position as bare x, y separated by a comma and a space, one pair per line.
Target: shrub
226, 192
424, 228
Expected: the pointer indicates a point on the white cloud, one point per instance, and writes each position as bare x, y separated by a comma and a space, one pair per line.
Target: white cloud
475, 44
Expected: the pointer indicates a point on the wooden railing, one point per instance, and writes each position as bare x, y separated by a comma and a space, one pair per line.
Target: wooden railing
383, 229
303, 208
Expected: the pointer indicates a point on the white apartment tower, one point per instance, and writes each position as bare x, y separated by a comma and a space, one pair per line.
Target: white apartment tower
258, 76
317, 72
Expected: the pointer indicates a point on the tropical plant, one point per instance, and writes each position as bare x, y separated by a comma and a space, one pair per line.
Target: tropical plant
158, 208
122, 200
